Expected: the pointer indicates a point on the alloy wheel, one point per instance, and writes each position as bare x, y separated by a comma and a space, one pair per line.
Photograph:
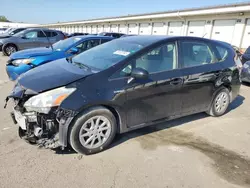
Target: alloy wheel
221, 102
95, 132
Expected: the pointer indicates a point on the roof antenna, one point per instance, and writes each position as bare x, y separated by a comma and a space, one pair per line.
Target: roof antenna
48, 40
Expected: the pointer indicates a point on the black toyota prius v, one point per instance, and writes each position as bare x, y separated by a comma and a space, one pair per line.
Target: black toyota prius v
123, 85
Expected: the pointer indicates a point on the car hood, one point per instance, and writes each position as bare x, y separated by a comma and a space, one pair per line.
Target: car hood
2, 36
52, 75
31, 53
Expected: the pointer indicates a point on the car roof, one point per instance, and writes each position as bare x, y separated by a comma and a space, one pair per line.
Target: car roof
92, 36
146, 40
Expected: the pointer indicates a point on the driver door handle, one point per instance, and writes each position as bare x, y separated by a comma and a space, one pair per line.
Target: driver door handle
176, 81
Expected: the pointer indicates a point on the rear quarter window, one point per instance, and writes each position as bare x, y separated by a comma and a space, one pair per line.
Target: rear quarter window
222, 52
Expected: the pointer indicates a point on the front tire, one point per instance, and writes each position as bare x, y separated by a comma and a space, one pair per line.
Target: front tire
9, 49
93, 131
220, 103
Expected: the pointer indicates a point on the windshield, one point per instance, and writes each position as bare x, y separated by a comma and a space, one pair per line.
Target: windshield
64, 44
104, 56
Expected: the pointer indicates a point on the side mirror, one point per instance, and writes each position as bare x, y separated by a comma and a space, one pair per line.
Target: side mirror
74, 50
139, 73
23, 37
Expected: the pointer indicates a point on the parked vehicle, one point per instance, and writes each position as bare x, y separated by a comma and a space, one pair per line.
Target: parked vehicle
29, 38
238, 50
2, 30
122, 85
25, 60
111, 34
246, 56
245, 74
128, 35
76, 34
11, 31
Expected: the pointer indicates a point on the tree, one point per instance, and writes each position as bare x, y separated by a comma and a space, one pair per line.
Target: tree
3, 19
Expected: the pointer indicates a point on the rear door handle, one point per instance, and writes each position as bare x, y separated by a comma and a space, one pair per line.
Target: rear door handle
176, 81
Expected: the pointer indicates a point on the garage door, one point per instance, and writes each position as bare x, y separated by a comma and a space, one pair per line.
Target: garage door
89, 29
145, 29
84, 29
196, 28
100, 29
94, 29
114, 28
123, 28
175, 28
106, 28
132, 29
223, 30
246, 37
159, 29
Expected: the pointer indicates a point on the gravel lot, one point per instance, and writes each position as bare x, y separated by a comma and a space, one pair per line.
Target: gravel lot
195, 151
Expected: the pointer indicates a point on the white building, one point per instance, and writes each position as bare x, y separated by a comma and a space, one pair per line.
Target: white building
230, 23
15, 25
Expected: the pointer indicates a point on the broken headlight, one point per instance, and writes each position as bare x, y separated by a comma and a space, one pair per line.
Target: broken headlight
43, 102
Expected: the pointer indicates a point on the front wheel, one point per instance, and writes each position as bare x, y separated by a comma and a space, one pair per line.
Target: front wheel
93, 131
220, 103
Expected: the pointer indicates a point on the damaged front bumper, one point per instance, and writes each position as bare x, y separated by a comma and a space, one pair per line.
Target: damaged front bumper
45, 130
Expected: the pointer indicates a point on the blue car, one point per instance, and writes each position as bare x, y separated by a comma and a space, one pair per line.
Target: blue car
22, 61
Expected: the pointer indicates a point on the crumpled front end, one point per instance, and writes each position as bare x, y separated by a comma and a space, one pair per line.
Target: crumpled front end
46, 127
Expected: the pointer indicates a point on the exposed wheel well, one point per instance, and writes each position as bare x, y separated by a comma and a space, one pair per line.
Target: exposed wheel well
10, 44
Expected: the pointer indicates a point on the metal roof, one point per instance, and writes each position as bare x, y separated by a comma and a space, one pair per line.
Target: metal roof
157, 13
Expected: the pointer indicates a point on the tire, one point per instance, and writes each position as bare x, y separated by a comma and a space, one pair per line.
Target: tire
84, 125
8, 49
218, 108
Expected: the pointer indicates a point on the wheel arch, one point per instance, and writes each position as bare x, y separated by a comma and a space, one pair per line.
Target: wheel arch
10, 43
65, 136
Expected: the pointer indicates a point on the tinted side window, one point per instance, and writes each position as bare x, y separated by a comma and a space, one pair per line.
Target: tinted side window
88, 44
31, 35
196, 53
159, 59
53, 34
104, 40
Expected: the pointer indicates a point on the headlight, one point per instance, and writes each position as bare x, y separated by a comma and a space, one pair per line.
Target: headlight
42, 103
22, 61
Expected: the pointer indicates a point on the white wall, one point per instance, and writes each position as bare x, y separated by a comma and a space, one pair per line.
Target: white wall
232, 28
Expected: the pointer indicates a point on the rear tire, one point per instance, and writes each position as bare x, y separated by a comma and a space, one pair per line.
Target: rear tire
220, 103
9, 49
93, 131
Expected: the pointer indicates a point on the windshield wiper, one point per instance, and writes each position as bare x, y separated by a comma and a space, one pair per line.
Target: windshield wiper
82, 66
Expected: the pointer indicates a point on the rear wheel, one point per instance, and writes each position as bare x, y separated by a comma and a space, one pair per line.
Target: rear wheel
9, 49
220, 103
93, 131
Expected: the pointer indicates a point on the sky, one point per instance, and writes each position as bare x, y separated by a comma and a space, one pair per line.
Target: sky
52, 11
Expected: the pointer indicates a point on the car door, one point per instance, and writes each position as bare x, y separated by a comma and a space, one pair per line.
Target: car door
200, 72
157, 97
29, 40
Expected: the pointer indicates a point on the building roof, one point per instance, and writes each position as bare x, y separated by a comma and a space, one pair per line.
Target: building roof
205, 10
